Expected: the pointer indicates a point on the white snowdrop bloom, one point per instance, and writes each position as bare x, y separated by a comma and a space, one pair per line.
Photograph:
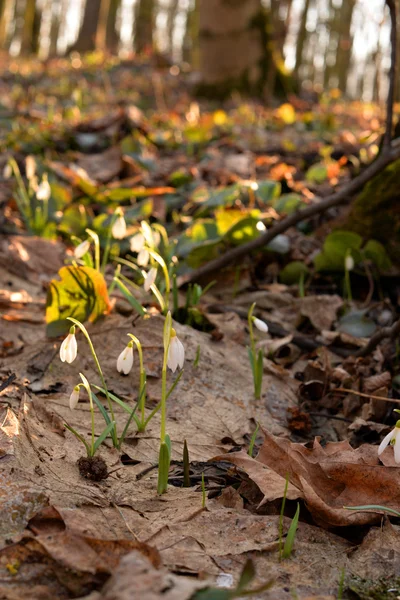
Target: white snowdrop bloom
74, 398
119, 228
349, 263
176, 352
261, 325
69, 347
81, 249
392, 438
143, 258
137, 242
150, 279
125, 360
30, 167
44, 190
7, 171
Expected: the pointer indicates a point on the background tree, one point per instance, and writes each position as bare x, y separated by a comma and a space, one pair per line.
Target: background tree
143, 25
87, 34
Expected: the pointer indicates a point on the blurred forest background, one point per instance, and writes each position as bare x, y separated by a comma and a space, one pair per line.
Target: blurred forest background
264, 46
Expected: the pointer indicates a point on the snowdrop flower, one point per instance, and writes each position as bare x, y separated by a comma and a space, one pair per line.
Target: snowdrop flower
69, 347
7, 171
44, 190
349, 262
143, 257
391, 438
150, 279
176, 352
137, 242
125, 360
119, 228
81, 249
74, 398
30, 167
261, 325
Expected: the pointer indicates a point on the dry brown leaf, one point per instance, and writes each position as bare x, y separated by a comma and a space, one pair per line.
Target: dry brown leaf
321, 310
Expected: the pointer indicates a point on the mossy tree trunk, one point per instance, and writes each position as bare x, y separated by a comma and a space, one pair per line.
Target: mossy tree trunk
236, 48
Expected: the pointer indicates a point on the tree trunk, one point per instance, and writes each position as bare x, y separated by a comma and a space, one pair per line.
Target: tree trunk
343, 54
302, 35
172, 12
190, 50
29, 29
5, 11
144, 25
86, 41
112, 35
236, 48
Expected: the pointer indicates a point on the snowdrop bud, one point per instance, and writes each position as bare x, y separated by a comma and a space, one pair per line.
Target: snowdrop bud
30, 167
81, 249
176, 352
137, 242
119, 228
150, 279
7, 171
143, 258
349, 263
261, 325
44, 190
74, 398
125, 360
391, 438
69, 347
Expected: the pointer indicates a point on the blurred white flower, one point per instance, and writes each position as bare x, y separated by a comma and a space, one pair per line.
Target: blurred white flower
74, 397
176, 352
81, 249
7, 171
349, 263
261, 325
392, 438
143, 258
30, 167
125, 360
69, 347
137, 242
44, 190
150, 279
119, 228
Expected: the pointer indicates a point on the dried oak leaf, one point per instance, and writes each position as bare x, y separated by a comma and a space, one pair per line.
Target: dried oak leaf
327, 478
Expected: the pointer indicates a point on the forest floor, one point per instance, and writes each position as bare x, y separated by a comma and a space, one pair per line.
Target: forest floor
130, 134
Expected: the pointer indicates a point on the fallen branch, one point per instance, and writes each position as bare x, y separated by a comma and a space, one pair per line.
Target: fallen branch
385, 332
389, 152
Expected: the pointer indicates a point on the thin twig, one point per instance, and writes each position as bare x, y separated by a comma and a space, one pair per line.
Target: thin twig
370, 396
388, 154
385, 332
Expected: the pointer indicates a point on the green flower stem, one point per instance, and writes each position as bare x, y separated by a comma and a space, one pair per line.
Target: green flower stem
96, 241
25, 207
96, 360
164, 267
251, 330
142, 383
86, 385
108, 242
347, 283
167, 340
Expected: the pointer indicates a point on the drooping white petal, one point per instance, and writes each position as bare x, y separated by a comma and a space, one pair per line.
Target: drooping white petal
143, 257
44, 190
74, 398
137, 242
30, 167
176, 354
81, 249
261, 325
69, 349
150, 279
125, 360
397, 446
386, 441
349, 263
119, 228
7, 171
